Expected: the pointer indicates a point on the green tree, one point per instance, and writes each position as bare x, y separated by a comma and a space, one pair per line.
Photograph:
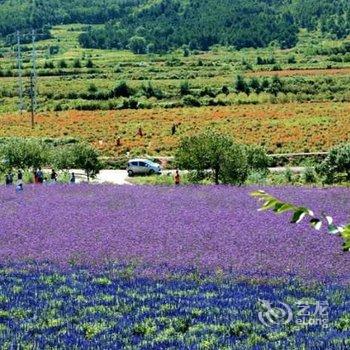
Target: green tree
241, 85
62, 158
23, 153
225, 160
337, 163
89, 63
77, 63
138, 44
255, 85
85, 157
258, 160
185, 88
77, 156
62, 64
122, 90
276, 86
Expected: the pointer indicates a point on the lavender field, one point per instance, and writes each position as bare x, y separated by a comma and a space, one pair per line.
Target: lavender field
130, 267
162, 229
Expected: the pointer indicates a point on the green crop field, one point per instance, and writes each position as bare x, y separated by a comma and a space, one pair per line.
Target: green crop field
77, 78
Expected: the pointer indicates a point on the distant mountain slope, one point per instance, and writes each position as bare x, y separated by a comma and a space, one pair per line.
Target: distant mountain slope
160, 25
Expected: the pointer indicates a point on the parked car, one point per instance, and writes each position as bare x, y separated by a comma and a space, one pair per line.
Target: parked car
143, 167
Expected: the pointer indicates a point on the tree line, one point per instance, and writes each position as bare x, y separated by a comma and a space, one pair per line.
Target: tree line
158, 26
25, 153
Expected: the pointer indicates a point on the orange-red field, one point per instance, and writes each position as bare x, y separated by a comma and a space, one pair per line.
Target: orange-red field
291, 127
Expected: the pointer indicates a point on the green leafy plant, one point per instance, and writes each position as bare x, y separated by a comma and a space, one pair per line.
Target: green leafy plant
20, 153
215, 154
299, 213
337, 163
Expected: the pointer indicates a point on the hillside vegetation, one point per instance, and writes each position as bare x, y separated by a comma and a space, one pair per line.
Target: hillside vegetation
160, 25
287, 100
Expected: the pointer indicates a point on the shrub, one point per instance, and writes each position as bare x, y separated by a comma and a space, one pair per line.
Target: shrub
92, 88
255, 85
337, 164
149, 91
191, 101
63, 64
122, 90
77, 63
241, 85
207, 91
257, 158
185, 88
288, 175
291, 60
225, 90
58, 107
186, 51
276, 86
257, 177
89, 64
49, 65
309, 175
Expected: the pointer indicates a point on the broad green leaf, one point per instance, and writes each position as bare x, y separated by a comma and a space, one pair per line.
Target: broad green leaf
285, 207
277, 206
269, 204
316, 224
346, 237
258, 193
333, 230
329, 220
346, 246
299, 215
345, 232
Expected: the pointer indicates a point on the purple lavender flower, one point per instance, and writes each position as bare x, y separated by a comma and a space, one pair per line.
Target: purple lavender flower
165, 228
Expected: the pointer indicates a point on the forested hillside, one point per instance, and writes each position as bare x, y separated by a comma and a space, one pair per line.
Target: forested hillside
160, 25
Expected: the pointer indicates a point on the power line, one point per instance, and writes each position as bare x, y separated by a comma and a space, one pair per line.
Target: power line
19, 66
33, 81
33, 90
32, 99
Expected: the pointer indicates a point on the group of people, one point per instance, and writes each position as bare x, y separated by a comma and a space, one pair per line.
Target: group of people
39, 178
9, 179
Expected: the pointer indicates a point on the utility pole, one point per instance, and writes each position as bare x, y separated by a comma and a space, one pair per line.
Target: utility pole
32, 99
33, 82
19, 67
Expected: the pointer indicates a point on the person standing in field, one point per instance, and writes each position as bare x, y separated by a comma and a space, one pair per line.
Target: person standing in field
173, 130
177, 178
19, 187
19, 183
40, 176
140, 132
19, 176
9, 179
53, 176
